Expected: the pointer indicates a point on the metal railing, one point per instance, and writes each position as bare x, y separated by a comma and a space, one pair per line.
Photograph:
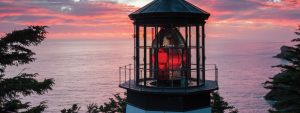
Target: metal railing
127, 74
214, 68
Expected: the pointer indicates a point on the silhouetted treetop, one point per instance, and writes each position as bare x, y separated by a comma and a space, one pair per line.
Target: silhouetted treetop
285, 86
13, 52
13, 46
32, 35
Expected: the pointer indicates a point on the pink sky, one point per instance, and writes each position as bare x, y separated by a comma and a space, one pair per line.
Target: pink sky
99, 19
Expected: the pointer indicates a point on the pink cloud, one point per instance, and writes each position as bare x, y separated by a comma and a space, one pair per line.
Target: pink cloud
91, 19
285, 13
102, 15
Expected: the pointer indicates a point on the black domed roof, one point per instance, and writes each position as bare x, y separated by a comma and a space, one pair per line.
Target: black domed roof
166, 9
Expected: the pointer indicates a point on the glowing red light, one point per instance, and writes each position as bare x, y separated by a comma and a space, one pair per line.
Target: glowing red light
171, 57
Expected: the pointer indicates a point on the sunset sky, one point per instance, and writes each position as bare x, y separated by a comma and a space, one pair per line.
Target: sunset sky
100, 19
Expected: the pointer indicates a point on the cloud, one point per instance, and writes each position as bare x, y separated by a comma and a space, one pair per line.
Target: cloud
110, 17
76, 14
285, 13
65, 11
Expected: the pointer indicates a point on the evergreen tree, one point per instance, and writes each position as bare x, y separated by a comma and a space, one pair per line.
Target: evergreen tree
75, 109
219, 105
118, 105
115, 105
285, 86
14, 52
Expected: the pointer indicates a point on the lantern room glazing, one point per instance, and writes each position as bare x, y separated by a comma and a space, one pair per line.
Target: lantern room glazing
169, 45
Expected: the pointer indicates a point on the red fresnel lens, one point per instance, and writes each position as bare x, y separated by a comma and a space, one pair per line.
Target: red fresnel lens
171, 57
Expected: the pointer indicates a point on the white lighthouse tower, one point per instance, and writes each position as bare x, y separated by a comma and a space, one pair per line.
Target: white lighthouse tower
169, 70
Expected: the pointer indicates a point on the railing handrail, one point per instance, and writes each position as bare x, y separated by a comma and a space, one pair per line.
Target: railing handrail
141, 65
173, 47
128, 68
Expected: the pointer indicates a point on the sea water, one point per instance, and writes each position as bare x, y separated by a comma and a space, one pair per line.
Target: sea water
86, 71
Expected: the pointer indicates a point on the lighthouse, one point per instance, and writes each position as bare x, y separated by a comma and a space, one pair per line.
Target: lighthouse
169, 73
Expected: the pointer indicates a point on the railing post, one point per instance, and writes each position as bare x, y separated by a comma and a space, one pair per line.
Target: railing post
216, 74
134, 78
141, 72
150, 63
129, 75
125, 72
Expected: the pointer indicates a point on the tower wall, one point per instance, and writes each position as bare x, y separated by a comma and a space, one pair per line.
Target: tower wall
132, 109
176, 102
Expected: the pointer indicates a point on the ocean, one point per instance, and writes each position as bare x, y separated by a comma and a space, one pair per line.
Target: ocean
86, 71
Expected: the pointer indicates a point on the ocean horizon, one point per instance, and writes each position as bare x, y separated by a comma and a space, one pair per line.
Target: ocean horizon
86, 71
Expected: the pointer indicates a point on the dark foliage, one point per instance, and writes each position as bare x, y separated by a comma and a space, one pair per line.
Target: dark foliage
118, 105
285, 86
219, 105
115, 105
14, 52
75, 109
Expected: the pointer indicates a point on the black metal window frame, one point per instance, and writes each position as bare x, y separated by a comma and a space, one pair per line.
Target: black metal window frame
140, 67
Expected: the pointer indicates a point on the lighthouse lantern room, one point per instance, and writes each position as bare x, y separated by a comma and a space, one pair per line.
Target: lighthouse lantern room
169, 73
